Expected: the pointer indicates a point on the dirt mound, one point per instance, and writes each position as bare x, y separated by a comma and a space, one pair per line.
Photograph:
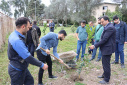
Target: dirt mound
76, 78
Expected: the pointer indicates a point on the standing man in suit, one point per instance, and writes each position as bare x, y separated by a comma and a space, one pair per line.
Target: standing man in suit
107, 46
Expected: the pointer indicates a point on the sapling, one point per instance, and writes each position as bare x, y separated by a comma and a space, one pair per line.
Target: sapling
86, 59
44, 29
73, 28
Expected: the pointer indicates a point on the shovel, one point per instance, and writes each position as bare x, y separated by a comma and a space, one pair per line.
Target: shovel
56, 58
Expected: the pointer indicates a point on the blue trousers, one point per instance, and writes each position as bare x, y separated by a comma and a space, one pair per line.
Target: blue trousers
51, 29
119, 52
31, 48
20, 77
95, 50
79, 45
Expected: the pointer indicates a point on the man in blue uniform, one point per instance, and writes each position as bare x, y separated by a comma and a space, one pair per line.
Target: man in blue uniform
19, 56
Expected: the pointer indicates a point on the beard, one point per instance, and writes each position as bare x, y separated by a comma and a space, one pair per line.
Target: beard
61, 39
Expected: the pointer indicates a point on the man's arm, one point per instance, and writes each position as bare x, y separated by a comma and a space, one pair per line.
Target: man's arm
106, 36
22, 51
125, 32
56, 54
77, 31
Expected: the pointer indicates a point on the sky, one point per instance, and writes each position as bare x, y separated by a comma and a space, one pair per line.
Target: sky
46, 2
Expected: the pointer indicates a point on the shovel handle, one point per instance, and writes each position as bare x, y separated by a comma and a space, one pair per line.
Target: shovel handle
56, 58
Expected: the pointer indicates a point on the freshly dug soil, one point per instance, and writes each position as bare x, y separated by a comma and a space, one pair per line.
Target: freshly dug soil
76, 78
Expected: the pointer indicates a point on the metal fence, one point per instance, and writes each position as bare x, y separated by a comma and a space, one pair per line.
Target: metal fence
7, 25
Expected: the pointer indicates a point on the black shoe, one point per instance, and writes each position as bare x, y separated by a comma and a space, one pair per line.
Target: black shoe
114, 62
91, 59
41, 84
122, 66
103, 82
98, 60
52, 77
100, 76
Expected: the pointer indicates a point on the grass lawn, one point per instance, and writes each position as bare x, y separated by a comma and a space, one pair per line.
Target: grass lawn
89, 73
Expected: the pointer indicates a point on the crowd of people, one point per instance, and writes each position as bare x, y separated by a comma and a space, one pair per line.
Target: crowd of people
109, 38
24, 41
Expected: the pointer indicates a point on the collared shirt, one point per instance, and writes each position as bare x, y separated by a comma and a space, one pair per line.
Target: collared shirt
82, 34
48, 41
106, 25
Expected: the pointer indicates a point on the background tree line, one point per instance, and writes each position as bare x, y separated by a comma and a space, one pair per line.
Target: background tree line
62, 11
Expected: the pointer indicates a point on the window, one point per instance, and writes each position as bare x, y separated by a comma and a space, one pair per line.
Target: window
103, 14
105, 7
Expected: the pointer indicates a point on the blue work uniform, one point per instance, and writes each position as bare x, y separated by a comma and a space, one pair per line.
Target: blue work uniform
19, 59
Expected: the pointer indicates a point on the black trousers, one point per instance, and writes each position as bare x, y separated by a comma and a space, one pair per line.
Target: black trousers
20, 77
106, 67
44, 59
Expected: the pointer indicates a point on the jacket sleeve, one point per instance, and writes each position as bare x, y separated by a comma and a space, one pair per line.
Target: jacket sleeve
105, 38
39, 32
125, 32
37, 37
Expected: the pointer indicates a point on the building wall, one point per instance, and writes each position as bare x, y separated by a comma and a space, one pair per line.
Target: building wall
98, 11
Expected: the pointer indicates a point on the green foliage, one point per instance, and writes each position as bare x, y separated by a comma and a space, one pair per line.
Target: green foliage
5, 7
78, 83
111, 14
86, 59
73, 28
62, 28
90, 33
45, 26
55, 26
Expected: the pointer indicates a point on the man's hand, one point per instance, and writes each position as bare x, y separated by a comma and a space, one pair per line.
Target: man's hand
92, 47
87, 38
125, 42
45, 67
48, 51
61, 61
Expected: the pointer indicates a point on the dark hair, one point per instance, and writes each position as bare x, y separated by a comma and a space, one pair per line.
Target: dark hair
115, 17
35, 22
21, 21
63, 32
30, 22
83, 21
106, 18
99, 18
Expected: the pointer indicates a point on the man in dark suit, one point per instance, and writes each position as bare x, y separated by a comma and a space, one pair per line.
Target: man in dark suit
107, 46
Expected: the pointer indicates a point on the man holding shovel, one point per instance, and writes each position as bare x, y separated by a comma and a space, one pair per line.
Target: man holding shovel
48, 41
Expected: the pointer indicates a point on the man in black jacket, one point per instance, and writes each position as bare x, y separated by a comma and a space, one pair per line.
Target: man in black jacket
121, 38
37, 28
32, 39
107, 46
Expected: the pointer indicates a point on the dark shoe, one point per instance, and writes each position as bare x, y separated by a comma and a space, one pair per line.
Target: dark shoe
41, 84
52, 77
122, 66
76, 60
98, 60
114, 62
100, 76
103, 82
91, 59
